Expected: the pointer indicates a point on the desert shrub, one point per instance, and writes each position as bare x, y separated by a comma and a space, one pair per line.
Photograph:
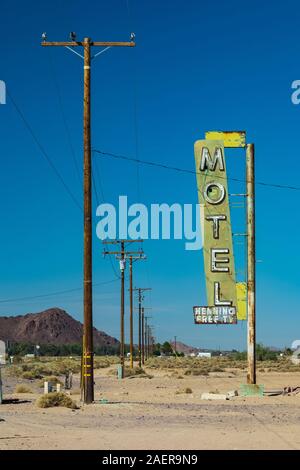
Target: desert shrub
128, 372
56, 399
107, 361
184, 390
14, 371
217, 369
31, 375
20, 388
195, 371
136, 372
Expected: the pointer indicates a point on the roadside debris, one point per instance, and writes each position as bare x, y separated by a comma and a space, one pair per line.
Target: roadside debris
286, 391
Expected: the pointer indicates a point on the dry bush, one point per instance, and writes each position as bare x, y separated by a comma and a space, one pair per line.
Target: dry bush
136, 372
184, 390
20, 388
31, 375
195, 371
106, 361
128, 372
56, 399
216, 369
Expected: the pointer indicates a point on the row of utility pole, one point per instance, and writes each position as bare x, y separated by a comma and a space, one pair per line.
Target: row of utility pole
143, 330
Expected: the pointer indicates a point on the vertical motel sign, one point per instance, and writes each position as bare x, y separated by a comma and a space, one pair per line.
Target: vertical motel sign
216, 235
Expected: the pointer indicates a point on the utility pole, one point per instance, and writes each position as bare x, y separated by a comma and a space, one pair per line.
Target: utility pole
88, 352
140, 291
146, 338
143, 336
251, 336
121, 255
175, 345
150, 341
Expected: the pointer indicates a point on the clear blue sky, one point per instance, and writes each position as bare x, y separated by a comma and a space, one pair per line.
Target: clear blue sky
197, 66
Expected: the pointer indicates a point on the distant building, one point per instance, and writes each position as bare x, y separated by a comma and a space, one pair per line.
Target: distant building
204, 354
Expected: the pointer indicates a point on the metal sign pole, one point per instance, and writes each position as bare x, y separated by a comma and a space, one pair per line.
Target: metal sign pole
251, 375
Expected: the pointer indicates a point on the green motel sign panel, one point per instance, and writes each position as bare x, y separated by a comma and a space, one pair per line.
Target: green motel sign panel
216, 235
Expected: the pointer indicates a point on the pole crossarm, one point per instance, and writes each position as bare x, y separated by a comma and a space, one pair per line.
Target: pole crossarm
91, 43
114, 242
123, 252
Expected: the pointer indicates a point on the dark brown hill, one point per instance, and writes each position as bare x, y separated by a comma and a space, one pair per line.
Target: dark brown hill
52, 326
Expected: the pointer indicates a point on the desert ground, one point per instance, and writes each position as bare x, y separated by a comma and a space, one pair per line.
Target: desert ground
160, 408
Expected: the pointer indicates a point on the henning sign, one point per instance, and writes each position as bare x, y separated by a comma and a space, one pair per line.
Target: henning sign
216, 234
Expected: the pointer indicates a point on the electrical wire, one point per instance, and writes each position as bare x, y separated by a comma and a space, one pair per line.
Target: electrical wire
43, 151
54, 293
185, 170
97, 174
63, 115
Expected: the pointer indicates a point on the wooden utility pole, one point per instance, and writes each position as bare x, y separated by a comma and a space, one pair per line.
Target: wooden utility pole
146, 338
143, 335
140, 291
88, 352
122, 256
175, 345
251, 336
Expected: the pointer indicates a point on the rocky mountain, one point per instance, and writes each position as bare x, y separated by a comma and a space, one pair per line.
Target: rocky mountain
184, 348
52, 326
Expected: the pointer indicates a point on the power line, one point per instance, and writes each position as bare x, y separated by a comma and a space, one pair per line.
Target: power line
43, 152
63, 114
185, 170
53, 293
94, 175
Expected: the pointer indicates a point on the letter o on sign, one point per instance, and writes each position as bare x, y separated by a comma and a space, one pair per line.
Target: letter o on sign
221, 189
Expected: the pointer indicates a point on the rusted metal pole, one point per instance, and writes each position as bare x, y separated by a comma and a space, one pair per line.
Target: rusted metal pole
87, 277
140, 327
122, 265
251, 333
131, 313
143, 336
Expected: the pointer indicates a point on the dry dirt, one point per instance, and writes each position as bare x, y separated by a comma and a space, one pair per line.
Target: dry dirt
147, 414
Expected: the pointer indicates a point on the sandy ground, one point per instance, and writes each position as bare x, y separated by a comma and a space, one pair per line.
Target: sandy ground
147, 414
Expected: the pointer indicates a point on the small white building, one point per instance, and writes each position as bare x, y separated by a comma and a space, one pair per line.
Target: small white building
204, 354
